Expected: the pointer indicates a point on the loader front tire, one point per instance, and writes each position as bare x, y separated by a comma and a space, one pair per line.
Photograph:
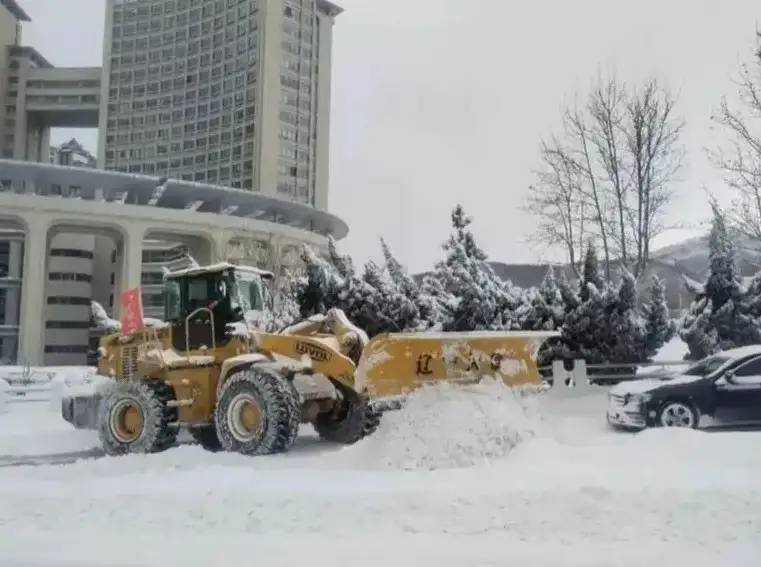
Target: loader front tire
352, 419
134, 417
258, 413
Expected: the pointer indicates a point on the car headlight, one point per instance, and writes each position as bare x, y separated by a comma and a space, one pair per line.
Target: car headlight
641, 398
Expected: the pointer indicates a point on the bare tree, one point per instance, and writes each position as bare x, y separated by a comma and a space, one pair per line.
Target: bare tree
606, 108
618, 155
555, 201
740, 159
654, 157
579, 132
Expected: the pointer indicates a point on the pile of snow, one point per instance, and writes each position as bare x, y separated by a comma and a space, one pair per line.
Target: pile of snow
450, 426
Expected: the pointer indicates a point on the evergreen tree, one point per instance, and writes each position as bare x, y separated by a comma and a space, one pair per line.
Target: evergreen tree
421, 311
435, 302
544, 309
720, 318
284, 308
586, 326
591, 273
461, 234
319, 289
366, 300
479, 299
659, 329
342, 263
398, 273
625, 330
570, 297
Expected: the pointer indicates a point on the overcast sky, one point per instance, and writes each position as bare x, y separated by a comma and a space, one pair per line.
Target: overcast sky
437, 102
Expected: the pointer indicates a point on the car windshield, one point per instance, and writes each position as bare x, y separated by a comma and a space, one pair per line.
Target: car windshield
707, 366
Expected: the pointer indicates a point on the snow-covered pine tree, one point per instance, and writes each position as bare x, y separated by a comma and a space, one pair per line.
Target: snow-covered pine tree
460, 223
393, 310
319, 289
625, 330
421, 311
591, 273
659, 329
568, 293
435, 303
544, 309
587, 325
719, 318
480, 300
284, 306
342, 263
365, 301
398, 273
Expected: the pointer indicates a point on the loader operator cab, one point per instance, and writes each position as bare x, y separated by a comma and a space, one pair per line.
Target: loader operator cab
201, 303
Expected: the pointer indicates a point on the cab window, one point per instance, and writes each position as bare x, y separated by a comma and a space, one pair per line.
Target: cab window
249, 293
172, 301
198, 293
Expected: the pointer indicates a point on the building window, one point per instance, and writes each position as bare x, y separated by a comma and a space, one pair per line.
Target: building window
71, 253
66, 349
68, 300
67, 325
72, 277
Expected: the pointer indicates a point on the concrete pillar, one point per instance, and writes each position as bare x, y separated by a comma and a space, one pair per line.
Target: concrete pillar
269, 96
32, 331
12, 297
219, 252
321, 114
131, 268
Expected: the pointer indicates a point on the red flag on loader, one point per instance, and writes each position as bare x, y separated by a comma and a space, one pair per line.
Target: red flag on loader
132, 311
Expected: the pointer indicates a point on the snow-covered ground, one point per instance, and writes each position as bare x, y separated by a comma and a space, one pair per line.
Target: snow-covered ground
672, 351
475, 477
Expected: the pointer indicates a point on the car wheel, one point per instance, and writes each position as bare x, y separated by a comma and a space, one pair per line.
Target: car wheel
677, 414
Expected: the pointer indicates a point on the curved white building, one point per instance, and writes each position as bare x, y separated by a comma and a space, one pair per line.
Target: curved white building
66, 214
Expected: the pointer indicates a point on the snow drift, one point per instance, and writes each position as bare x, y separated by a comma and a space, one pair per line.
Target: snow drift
450, 426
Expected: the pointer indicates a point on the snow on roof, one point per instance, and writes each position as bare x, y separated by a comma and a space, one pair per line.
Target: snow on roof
741, 352
219, 267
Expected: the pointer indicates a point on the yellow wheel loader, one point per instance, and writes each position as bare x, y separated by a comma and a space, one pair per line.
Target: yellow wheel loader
237, 388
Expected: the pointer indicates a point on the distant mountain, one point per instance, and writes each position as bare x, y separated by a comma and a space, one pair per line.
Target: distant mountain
691, 255
679, 265
682, 267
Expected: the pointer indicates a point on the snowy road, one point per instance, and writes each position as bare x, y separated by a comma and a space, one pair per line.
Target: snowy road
571, 493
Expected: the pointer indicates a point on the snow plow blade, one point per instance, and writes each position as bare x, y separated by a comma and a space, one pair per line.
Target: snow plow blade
81, 411
394, 365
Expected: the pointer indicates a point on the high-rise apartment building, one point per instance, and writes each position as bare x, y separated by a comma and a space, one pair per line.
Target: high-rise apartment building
72, 154
228, 92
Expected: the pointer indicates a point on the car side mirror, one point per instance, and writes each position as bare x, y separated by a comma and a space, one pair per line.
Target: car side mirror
729, 376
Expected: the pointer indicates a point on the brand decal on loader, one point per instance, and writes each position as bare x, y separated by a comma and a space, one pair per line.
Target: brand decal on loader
424, 365
314, 352
469, 361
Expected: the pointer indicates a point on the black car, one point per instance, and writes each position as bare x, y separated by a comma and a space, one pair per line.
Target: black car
723, 389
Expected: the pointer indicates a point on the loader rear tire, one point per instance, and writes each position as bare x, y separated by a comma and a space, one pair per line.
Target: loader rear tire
352, 419
258, 413
207, 438
134, 417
